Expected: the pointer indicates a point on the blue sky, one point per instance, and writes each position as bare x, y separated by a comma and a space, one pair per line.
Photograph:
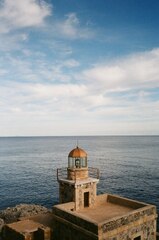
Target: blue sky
79, 67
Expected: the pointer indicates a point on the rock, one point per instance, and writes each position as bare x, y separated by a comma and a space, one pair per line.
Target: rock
1, 224
12, 214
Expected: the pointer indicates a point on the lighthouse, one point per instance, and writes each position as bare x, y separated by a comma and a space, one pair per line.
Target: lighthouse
78, 182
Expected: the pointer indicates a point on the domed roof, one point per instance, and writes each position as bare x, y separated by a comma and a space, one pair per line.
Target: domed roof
77, 153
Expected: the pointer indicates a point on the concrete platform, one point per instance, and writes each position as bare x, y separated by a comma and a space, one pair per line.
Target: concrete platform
106, 208
25, 226
45, 219
103, 212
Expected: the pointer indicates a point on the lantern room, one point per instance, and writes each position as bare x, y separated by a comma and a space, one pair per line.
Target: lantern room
77, 164
77, 158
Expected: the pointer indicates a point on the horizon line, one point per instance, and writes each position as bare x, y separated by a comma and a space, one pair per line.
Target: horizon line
96, 135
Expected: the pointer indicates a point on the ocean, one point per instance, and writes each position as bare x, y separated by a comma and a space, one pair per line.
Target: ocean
129, 166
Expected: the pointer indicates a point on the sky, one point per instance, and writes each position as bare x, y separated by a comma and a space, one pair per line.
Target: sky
79, 67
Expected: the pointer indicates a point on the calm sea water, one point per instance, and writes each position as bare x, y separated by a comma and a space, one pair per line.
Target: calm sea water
129, 166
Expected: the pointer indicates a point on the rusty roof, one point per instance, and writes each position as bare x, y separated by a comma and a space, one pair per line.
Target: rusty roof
77, 153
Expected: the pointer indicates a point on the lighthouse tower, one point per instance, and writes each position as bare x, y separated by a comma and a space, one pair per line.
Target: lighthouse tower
77, 182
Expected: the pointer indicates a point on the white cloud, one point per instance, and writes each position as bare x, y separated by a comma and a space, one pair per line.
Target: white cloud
3, 72
137, 71
71, 28
114, 98
58, 91
24, 93
22, 13
11, 42
71, 63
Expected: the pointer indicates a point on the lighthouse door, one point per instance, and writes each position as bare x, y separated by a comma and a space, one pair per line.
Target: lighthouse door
86, 199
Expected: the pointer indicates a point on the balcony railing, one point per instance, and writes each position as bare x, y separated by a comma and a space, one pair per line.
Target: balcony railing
62, 173
93, 172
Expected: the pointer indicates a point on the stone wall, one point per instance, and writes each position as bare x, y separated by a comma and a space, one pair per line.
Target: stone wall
89, 187
75, 192
66, 192
139, 223
145, 230
67, 217
77, 174
65, 230
40, 233
125, 201
11, 234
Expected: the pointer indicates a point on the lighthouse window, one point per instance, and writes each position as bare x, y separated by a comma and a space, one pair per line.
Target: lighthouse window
77, 163
84, 162
71, 163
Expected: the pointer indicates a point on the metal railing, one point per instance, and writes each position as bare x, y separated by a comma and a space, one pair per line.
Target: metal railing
62, 173
93, 172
